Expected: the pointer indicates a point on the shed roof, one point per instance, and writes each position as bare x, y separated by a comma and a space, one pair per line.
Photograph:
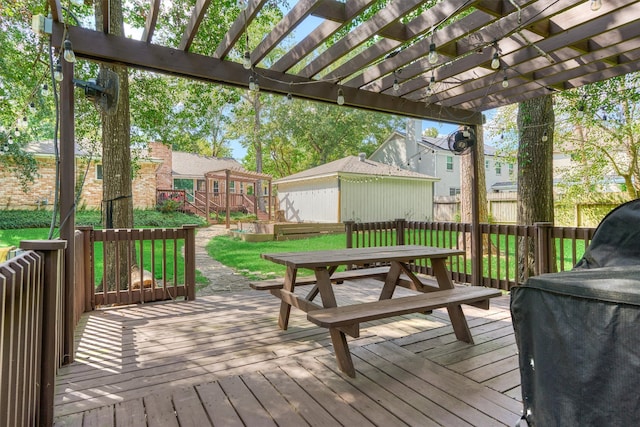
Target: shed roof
355, 165
189, 164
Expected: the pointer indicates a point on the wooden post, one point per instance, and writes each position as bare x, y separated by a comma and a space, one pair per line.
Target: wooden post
348, 228
400, 227
544, 244
53, 251
89, 286
190, 261
269, 200
227, 174
67, 201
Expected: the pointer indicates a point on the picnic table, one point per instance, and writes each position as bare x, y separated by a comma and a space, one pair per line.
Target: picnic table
346, 319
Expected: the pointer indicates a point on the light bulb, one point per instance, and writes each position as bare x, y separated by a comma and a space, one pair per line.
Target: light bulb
45, 90
68, 55
340, 99
432, 82
10, 140
545, 137
596, 4
32, 108
495, 62
242, 4
505, 82
433, 55
289, 97
396, 85
256, 86
252, 85
16, 132
57, 73
246, 61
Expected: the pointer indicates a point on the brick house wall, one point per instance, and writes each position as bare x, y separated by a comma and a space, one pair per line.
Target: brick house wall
41, 192
164, 179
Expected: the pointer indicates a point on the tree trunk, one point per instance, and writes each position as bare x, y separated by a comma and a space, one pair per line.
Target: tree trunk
535, 173
467, 192
116, 160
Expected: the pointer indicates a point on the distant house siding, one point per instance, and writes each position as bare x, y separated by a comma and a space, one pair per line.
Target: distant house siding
314, 200
385, 199
41, 193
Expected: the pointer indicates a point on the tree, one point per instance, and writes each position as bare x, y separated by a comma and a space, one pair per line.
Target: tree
603, 136
536, 121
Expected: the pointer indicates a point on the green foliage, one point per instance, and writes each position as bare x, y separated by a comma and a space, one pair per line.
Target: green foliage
18, 219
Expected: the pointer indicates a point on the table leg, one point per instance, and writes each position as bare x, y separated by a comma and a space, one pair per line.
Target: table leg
323, 277
391, 281
458, 321
285, 308
341, 349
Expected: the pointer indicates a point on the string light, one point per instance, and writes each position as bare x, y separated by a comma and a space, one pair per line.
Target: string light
596, 4
246, 61
57, 72
289, 97
340, 99
45, 90
495, 62
68, 54
32, 107
505, 80
242, 4
545, 137
396, 85
16, 132
433, 55
432, 82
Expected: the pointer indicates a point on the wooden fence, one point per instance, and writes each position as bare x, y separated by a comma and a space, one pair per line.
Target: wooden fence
511, 253
32, 332
148, 265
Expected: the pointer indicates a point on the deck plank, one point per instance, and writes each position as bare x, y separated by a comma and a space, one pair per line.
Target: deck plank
247, 406
99, 417
130, 413
222, 360
217, 404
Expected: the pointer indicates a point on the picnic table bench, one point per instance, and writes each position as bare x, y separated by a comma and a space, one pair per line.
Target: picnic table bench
346, 320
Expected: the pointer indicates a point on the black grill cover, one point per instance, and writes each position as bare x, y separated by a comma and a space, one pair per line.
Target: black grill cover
578, 335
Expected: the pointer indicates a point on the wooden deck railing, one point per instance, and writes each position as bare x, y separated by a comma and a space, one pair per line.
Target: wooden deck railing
506, 261
32, 335
147, 265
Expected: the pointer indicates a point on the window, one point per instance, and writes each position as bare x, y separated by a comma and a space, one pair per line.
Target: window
498, 168
216, 187
242, 188
453, 191
201, 185
449, 163
510, 169
486, 164
232, 186
98, 171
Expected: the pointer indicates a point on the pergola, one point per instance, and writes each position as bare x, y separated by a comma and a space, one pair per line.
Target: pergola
385, 62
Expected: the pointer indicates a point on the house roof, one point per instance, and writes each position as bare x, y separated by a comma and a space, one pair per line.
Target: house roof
46, 148
356, 165
189, 164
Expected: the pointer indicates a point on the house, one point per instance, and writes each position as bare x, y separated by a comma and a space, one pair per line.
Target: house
355, 189
41, 192
210, 183
431, 156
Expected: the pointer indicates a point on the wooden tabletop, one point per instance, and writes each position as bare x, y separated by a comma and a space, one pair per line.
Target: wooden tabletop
325, 258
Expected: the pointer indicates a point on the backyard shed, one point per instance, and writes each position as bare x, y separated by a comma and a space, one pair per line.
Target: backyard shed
355, 189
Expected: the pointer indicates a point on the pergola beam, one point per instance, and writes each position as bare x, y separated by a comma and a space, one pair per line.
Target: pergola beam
150, 23
100, 47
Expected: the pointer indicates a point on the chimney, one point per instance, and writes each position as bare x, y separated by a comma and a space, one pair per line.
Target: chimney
363, 156
158, 150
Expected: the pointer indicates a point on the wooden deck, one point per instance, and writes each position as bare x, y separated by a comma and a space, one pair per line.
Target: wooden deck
221, 360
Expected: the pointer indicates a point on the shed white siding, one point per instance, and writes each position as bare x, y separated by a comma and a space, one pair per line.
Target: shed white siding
385, 199
311, 200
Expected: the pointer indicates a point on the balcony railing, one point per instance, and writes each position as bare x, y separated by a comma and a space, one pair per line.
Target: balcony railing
511, 253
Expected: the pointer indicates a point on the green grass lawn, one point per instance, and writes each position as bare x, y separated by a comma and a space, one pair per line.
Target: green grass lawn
15, 236
244, 257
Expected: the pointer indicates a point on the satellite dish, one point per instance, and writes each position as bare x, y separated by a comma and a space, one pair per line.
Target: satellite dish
103, 91
461, 141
